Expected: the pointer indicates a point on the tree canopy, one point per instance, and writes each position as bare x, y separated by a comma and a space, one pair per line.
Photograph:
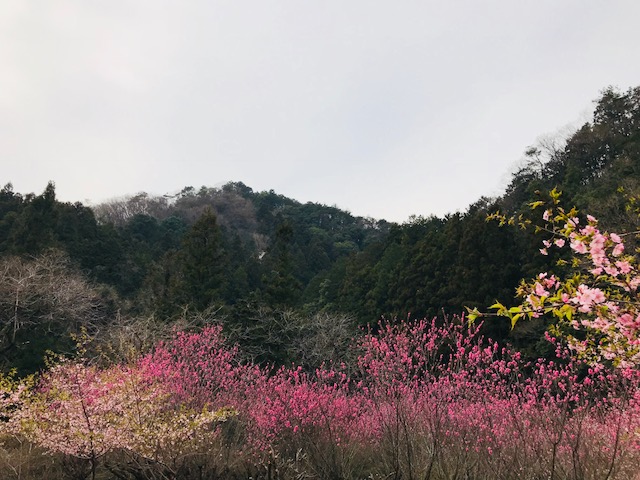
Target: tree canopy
237, 251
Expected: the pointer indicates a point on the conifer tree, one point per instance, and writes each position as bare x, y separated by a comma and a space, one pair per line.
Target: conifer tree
203, 263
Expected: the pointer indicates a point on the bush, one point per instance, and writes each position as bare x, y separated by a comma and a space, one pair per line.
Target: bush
428, 399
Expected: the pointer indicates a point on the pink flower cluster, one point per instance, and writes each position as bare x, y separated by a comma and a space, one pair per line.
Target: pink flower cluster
600, 296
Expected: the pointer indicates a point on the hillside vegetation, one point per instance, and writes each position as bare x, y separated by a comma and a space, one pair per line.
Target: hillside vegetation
214, 334
272, 269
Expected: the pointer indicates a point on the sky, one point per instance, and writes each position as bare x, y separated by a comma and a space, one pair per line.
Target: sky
386, 109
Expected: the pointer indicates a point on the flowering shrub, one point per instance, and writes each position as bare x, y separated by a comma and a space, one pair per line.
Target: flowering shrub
445, 402
197, 368
87, 413
427, 399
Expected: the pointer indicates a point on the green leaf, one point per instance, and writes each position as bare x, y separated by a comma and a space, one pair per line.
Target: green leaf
498, 306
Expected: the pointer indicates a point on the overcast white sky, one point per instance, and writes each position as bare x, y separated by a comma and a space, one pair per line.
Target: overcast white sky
383, 108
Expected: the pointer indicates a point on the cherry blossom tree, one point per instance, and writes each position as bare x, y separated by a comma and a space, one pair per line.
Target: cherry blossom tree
598, 299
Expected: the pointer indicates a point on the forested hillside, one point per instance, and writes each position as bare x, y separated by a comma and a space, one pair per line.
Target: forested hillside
241, 254
435, 264
276, 271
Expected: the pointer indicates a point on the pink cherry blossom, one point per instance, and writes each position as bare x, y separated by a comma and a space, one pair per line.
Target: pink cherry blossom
588, 297
578, 246
624, 267
540, 290
618, 249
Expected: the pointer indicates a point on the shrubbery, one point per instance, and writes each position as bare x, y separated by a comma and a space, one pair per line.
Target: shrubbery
426, 399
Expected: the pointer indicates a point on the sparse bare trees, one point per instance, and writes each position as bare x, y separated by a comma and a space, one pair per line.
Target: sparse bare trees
44, 296
292, 337
120, 210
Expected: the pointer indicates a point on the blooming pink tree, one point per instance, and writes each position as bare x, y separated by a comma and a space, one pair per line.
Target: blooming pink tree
86, 413
198, 368
442, 400
598, 299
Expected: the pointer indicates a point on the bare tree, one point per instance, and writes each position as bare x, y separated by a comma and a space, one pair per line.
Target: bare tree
126, 338
44, 294
120, 210
288, 336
